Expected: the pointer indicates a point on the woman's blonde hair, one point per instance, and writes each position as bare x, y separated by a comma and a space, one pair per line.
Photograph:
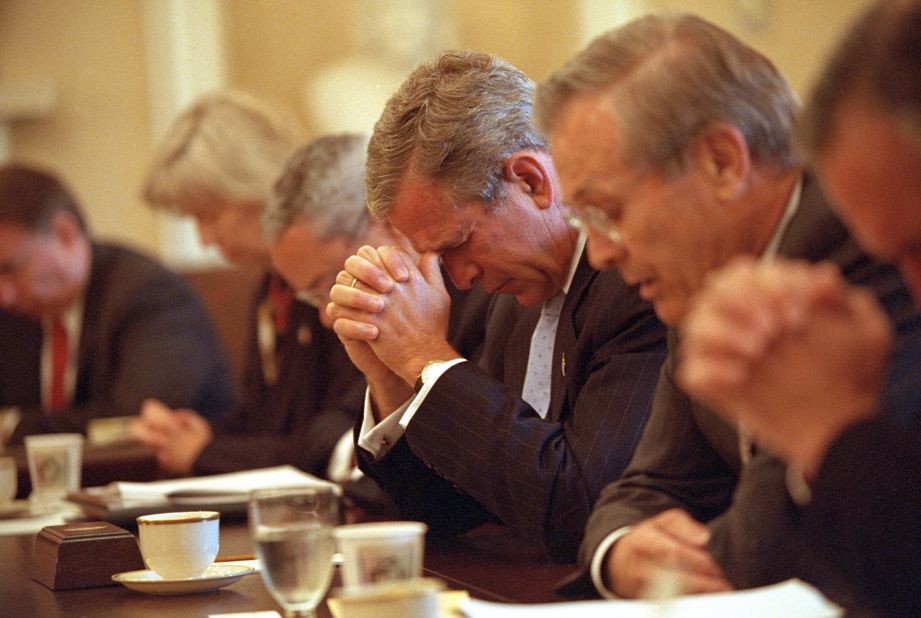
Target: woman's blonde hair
227, 144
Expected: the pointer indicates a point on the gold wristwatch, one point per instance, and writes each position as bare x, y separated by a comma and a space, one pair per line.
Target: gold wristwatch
426, 375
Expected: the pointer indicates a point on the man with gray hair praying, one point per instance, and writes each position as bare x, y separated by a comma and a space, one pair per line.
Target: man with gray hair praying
553, 409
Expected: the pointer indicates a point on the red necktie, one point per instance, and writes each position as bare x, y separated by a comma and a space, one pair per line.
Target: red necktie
60, 350
281, 297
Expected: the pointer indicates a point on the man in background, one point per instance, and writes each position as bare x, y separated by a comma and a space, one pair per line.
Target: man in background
91, 329
674, 145
801, 357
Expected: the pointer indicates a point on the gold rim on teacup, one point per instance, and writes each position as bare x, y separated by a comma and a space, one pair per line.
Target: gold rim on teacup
189, 517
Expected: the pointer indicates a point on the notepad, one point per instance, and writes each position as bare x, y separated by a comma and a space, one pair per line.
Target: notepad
231, 484
227, 493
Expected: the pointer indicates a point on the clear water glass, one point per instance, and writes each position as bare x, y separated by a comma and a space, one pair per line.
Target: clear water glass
292, 533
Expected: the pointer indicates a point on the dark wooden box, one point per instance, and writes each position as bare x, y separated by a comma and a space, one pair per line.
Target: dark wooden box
83, 555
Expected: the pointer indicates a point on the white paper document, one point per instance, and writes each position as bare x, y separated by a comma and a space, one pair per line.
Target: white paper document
790, 599
232, 483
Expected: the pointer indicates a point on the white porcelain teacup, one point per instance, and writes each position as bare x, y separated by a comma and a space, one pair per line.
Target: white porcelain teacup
179, 545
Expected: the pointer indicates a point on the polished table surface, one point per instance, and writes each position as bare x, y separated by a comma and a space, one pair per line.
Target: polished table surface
489, 563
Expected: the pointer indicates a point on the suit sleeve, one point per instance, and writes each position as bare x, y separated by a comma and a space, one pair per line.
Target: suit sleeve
537, 476
674, 466
864, 513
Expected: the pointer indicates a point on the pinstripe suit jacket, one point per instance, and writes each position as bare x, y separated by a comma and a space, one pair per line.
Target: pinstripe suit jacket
476, 451
689, 457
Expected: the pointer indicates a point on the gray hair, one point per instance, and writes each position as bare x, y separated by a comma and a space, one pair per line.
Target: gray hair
323, 182
453, 121
671, 76
879, 58
228, 144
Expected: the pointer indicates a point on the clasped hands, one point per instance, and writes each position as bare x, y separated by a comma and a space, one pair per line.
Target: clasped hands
177, 437
790, 350
391, 313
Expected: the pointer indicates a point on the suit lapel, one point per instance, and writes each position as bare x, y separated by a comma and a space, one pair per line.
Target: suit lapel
814, 231
567, 331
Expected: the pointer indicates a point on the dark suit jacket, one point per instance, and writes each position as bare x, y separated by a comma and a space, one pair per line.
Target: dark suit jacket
298, 419
476, 451
863, 517
144, 334
689, 457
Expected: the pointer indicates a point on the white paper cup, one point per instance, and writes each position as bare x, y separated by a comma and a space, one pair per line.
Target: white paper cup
179, 545
8, 478
380, 552
55, 462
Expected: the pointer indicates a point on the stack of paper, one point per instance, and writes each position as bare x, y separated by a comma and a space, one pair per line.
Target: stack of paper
791, 599
234, 483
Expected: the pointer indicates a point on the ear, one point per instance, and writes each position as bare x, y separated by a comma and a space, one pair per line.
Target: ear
721, 153
532, 173
65, 228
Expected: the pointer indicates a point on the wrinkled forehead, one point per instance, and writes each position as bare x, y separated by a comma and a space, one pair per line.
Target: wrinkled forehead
425, 214
587, 150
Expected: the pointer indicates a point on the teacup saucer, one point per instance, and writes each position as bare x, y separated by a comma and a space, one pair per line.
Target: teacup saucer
215, 576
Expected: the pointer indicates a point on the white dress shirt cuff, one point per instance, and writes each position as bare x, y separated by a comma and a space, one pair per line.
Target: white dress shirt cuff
432, 374
598, 561
342, 466
378, 438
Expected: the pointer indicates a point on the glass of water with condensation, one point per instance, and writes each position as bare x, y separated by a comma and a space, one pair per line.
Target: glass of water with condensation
292, 531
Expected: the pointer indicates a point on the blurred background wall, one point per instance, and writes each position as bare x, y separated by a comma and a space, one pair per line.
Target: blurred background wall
87, 86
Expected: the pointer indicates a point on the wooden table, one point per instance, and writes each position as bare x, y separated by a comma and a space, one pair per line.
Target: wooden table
487, 562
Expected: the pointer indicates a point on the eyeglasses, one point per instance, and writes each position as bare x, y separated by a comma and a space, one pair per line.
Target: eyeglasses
593, 217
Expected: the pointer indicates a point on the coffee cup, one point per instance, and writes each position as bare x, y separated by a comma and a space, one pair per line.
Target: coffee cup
179, 545
55, 461
379, 552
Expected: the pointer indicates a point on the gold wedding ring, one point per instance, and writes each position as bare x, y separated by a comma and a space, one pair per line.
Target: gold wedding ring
354, 282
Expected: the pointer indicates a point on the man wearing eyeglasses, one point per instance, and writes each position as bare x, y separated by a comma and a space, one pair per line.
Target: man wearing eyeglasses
673, 141
553, 410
